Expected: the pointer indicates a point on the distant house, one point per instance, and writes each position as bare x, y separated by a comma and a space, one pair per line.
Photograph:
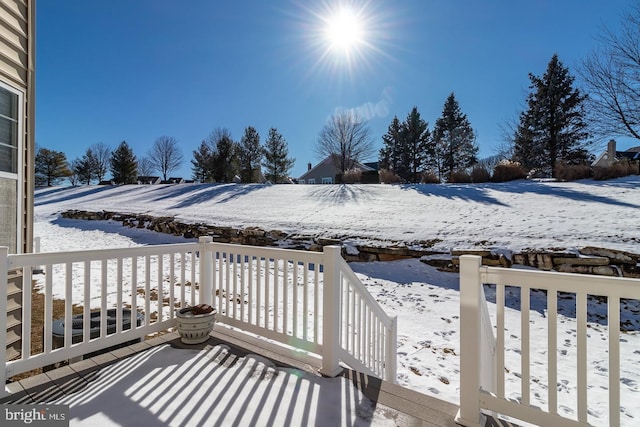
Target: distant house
106, 182
326, 172
173, 180
149, 180
610, 156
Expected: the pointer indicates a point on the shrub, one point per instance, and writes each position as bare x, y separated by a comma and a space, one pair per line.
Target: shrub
459, 177
370, 177
388, 177
618, 169
352, 176
565, 172
508, 171
430, 178
480, 174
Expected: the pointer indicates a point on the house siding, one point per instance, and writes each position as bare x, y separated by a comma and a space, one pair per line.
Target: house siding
17, 71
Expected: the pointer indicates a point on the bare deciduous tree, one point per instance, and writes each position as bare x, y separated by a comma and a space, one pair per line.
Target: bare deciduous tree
165, 155
102, 159
145, 167
612, 77
345, 137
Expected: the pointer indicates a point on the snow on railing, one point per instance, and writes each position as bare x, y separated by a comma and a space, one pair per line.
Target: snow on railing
477, 394
308, 300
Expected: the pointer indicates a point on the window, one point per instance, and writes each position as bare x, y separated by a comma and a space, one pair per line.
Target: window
327, 180
311, 181
8, 131
10, 167
301, 181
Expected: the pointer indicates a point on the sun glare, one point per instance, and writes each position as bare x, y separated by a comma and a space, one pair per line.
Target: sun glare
344, 30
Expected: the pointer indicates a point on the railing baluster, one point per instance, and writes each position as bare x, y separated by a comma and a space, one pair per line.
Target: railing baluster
259, 308
316, 304
276, 294
194, 268
48, 308
296, 313
613, 308
119, 295
227, 272
525, 345
241, 292
500, 339
27, 287
68, 294
183, 281
267, 295
234, 293
305, 300
160, 287
552, 349
104, 270
147, 290
251, 294
134, 292
86, 310
172, 284
285, 296
581, 331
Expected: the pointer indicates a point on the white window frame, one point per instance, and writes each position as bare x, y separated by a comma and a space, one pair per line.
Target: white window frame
311, 181
327, 180
19, 176
301, 181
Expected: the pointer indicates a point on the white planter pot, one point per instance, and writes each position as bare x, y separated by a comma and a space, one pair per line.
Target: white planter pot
194, 328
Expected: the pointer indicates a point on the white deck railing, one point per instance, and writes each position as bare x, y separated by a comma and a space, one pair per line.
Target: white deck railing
308, 300
483, 353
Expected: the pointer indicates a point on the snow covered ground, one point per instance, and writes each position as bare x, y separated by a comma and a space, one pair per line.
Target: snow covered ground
501, 216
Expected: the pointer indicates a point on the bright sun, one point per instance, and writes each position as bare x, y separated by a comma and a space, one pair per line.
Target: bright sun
344, 30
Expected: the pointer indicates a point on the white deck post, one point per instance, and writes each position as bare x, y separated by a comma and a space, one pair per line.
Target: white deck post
391, 361
331, 312
4, 282
469, 414
206, 270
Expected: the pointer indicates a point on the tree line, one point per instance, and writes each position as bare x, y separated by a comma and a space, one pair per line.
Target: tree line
558, 126
218, 159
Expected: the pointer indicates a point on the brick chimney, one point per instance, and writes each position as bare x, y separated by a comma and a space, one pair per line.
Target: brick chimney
309, 164
611, 150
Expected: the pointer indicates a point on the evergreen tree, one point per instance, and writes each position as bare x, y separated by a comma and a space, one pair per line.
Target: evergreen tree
124, 167
418, 148
223, 164
552, 128
390, 153
202, 163
85, 167
50, 167
249, 154
277, 164
455, 140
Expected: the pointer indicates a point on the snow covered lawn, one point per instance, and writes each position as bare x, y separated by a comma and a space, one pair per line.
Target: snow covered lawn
501, 216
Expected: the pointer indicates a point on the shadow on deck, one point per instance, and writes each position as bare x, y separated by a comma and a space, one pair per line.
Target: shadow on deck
150, 383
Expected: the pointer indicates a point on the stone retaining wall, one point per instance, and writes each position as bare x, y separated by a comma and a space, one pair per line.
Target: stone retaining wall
589, 260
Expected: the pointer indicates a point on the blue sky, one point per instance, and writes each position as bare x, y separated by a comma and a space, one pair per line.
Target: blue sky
108, 71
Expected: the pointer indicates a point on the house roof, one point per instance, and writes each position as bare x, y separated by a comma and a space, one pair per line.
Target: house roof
630, 155
327, 160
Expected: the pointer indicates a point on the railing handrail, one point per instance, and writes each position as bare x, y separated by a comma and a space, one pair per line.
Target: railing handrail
563, 282
33, 259
364, 294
